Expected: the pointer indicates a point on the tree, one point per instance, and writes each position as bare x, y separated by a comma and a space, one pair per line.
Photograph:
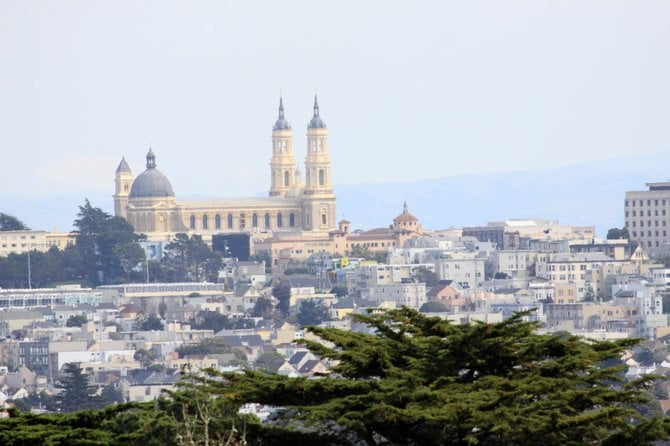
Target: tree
434, 306
76, 320
262, 308
616, 233
189, 259
76, 393
107, 245
11, 223
421, 380
270, 361
340, 290
144, 357
312, 312
426, 276
148, 323
282, 292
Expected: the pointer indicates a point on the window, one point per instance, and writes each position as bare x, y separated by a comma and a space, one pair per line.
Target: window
267, 221
291, 220
230, 221
286, 178
254, 220
217, 221
280, 220
324, 219
634, 214
192, 222
322, 177
243, 222
205, 222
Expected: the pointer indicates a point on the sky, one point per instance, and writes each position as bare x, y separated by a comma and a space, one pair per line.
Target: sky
409, 90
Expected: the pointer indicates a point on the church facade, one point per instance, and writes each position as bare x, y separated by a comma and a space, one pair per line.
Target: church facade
149, 203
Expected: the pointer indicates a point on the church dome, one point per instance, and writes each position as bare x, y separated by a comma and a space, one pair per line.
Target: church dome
151, 182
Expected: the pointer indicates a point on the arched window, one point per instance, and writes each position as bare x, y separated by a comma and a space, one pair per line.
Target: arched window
217, 221
286, 178
291, 220
254, 220
280, 220
192, 222
205, 222
267, 221
322, 177
230, 221
243, 222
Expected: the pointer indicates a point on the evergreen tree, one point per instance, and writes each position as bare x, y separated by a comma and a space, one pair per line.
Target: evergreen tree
282, 292
189, 259
76, 393
11, 223
423, 381
312, 312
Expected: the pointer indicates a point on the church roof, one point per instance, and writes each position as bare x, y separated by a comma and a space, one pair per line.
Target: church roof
281, 123
316, 122
123, 166
405, 216
151, 182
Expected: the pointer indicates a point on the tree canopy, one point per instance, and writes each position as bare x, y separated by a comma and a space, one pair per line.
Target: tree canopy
11, 223
421, 380
407, 380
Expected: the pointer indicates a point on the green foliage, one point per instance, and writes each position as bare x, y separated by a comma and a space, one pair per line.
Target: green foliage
312, 312
433, 307
209, 346
262, 308
144, 357
416, 381
149, 322
211, 320
76, 393
340, 290
263, 256
422, 380
107, 246
424, 275
189, 259
11, 223
617, 234
76, 320
296, 270
282, 292
270, 361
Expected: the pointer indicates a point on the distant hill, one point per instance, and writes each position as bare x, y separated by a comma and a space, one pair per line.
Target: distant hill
583, 194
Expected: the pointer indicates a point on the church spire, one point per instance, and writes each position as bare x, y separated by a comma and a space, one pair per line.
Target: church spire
281, 123
316, 122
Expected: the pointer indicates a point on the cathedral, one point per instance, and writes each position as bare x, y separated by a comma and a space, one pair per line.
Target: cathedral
149, 203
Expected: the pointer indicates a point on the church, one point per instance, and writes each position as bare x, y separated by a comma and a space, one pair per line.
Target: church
149, 203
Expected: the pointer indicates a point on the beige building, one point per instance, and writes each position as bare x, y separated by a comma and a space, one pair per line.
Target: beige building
301, 245
647, 214
149, 203
19, 242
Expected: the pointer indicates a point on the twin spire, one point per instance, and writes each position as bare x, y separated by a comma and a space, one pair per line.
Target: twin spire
315, 123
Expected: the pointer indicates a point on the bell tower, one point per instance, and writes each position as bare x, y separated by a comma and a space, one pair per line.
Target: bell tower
123, 180
282, 165
319, 200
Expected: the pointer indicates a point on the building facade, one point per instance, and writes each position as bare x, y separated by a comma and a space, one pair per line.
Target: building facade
646, 215
150, 205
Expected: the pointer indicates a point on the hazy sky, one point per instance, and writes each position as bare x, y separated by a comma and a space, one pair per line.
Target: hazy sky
409, 90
